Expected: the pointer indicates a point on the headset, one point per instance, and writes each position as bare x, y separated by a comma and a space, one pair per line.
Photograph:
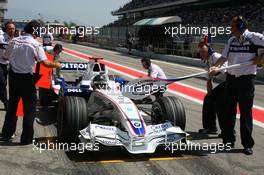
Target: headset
206, 41
210, 50
241, 23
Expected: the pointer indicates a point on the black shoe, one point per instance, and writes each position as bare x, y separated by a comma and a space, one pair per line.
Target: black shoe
6, 139
26, 142
248, 151
207, 131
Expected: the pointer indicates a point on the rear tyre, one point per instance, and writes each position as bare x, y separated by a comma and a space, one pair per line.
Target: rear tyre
169, 109
72, 117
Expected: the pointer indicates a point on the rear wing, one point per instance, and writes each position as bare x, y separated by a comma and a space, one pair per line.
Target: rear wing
88, 67
96, 58
74, 66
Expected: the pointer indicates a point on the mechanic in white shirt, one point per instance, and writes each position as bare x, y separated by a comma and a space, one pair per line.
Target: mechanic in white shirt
23, 52
213, 104
240, 87
5, 37
55, 51
47, 39
154, 71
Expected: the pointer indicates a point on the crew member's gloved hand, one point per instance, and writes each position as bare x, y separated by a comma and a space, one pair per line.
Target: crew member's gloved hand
257, 60
58, 65
213, 71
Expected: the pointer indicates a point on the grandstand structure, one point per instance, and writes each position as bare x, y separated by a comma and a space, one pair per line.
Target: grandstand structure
3, 9
138, 16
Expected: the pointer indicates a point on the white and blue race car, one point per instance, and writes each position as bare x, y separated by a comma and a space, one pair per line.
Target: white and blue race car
95, 109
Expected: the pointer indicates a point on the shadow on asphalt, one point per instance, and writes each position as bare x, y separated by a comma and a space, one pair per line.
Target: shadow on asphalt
232, 151
10, 144
120, 154
198, 136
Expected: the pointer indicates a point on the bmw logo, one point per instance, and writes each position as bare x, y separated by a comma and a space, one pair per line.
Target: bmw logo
137, 125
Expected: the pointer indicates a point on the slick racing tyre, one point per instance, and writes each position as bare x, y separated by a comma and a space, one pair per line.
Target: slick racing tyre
72, 117
169, 109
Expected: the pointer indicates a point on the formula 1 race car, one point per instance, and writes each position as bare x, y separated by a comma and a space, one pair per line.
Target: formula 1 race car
94, 108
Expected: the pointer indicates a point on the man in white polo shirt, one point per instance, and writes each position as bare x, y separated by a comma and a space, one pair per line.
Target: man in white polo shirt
55, 51
240, 87
23, 52
154, 71
213, 104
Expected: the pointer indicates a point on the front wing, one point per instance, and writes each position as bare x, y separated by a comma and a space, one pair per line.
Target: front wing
161, 134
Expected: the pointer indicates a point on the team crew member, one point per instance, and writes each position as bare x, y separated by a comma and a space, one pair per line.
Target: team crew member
47, 39
129, 42
5, 37
55, 51
154, 71
213, 103
242, 47
22, 53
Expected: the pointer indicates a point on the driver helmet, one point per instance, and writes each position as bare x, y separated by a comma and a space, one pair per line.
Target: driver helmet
99, 82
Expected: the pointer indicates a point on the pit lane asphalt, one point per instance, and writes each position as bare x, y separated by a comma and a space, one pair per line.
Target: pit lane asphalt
17, 159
